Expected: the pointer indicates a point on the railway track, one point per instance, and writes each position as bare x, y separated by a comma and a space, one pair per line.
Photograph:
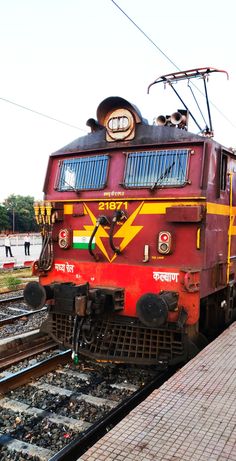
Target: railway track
11, 319
14, 308
16, 318
11, 299
16, 350
25, 340
71, 406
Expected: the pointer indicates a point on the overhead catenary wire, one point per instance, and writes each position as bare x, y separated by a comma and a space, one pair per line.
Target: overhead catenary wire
167, 57
145, 35
42, 114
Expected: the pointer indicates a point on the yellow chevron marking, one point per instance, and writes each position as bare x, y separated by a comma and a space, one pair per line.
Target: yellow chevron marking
215, 208
128, 232
100, 232
224, 210
84, 233
160, 207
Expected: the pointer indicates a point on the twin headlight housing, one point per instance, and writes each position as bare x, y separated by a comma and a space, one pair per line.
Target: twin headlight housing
120, 125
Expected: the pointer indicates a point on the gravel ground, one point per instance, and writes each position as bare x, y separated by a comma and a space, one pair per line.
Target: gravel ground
35, 429
59, 404
116, 373
23, 325
11, 294
94, 387
10, 311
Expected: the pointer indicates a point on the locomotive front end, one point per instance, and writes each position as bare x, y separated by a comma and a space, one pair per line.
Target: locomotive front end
123, 229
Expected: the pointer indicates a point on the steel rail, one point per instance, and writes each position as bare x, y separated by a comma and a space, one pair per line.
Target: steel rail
25, 351
9, 300
14, 318
39, 369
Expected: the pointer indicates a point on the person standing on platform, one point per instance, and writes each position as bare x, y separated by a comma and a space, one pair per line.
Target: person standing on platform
27, 245
7, 243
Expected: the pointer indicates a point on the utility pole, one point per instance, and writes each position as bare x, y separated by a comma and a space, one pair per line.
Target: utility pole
13, 220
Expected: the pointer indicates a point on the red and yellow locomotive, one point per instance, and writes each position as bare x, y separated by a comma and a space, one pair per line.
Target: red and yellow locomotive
138, 261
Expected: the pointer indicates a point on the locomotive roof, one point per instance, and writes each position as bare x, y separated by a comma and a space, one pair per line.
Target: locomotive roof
145, 135
116, 109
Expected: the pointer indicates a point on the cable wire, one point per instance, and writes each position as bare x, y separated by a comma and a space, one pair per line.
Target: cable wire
42, 115
167, 57
145, 35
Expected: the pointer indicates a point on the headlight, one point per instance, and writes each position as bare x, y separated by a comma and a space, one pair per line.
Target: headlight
120, 125
164, 242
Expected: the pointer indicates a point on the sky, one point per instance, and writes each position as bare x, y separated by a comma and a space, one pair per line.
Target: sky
61, 58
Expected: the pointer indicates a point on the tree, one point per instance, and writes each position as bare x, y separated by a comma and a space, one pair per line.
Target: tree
20, 212
4, 220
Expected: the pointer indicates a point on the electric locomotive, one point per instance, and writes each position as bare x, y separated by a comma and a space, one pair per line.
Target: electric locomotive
138, 259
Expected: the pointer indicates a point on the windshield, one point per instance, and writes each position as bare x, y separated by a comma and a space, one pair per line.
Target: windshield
156, 168
83, 173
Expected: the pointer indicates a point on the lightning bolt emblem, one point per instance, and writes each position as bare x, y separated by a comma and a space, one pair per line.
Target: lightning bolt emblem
127, 231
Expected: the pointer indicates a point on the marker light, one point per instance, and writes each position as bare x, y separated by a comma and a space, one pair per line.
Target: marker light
64, 239
164, 242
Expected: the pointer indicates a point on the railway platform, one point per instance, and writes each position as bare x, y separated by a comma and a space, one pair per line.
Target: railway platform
19, 259
191, 417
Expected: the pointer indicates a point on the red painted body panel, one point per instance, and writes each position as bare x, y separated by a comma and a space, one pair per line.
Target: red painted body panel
114, 188
136, 280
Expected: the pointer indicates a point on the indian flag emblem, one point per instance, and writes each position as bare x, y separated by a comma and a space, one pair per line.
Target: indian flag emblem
81, 240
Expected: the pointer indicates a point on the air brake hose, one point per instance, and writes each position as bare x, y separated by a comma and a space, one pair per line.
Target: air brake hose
101, 220
46, 255
75, 338
75, 326
117, 217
